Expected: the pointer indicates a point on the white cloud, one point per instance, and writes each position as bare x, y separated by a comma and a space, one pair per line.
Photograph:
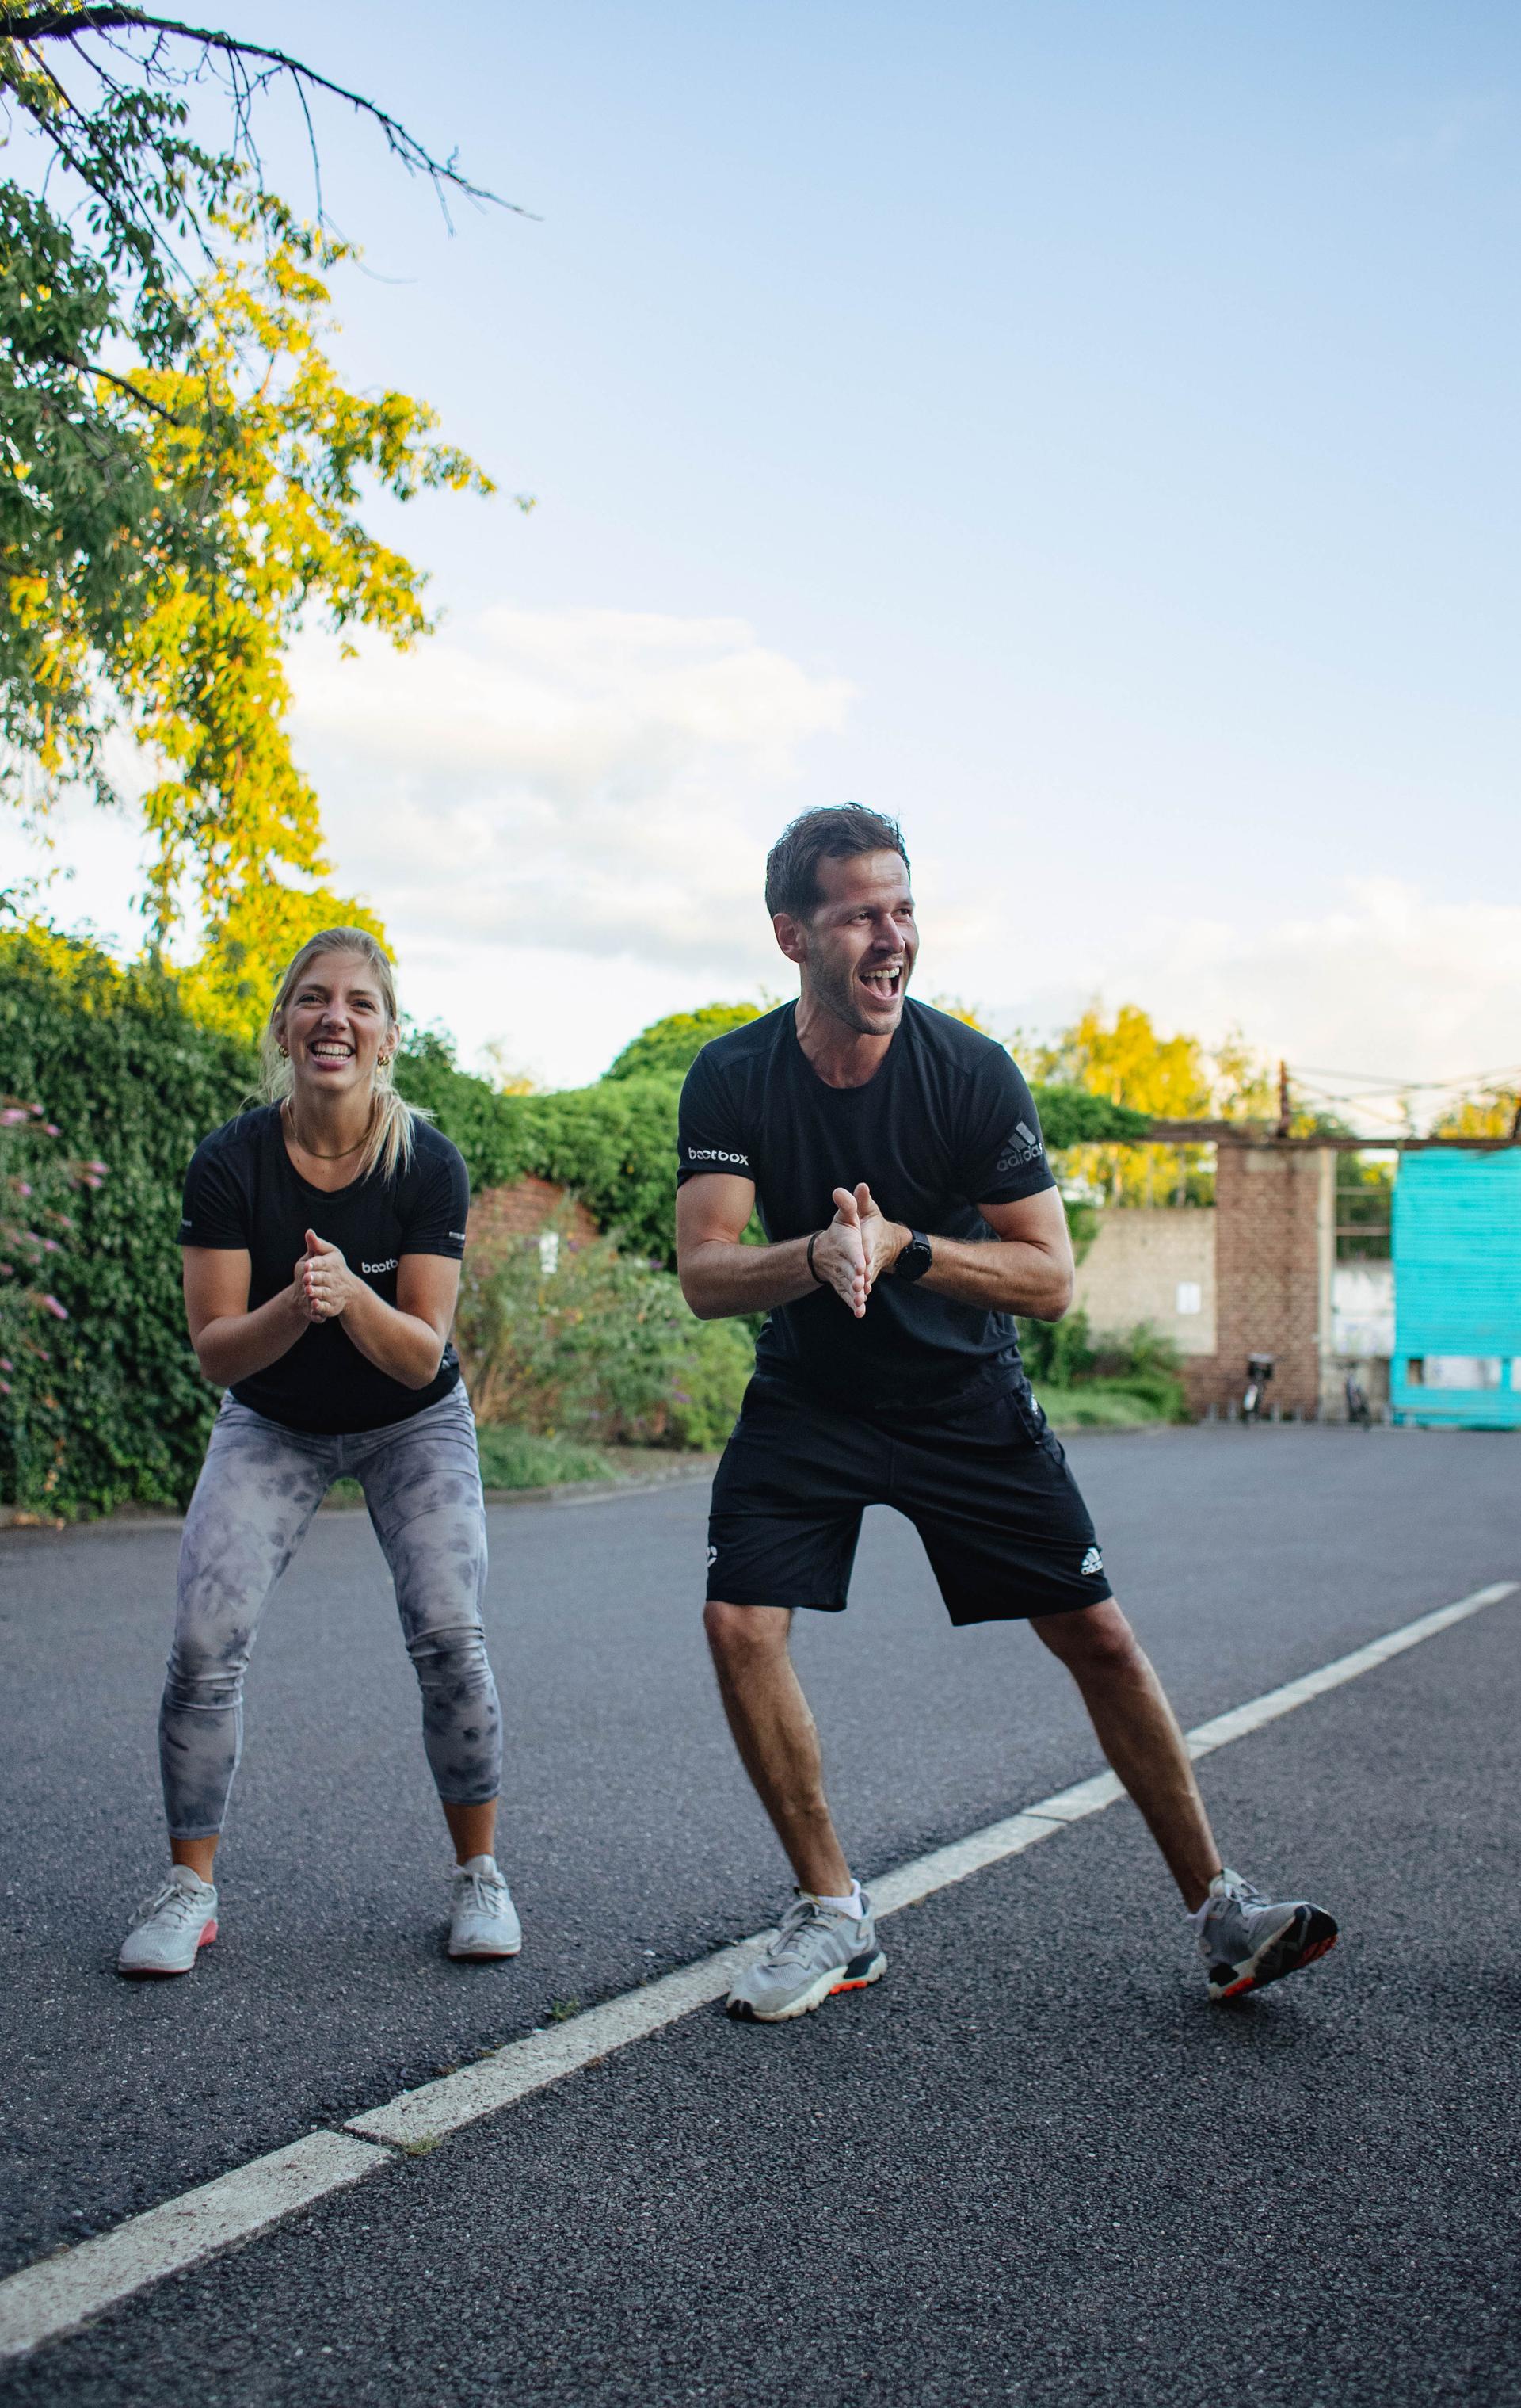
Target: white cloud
594, 781
1387, 983
562, 818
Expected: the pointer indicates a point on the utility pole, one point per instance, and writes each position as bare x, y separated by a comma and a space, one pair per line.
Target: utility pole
1283, 1111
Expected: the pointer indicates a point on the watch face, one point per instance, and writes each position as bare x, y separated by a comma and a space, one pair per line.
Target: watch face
916, 1257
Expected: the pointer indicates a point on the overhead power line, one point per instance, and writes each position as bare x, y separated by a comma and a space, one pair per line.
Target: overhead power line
1373, 1085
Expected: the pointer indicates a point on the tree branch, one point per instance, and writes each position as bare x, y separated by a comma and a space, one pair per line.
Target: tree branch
123, 384
65, 24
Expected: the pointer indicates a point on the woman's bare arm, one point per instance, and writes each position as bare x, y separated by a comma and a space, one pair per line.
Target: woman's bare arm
406, 1340
230, 1341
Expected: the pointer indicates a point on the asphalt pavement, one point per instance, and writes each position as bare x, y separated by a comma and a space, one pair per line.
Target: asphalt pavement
1032, 2166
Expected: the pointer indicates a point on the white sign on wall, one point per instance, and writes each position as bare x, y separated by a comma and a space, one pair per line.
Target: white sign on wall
1362, 1309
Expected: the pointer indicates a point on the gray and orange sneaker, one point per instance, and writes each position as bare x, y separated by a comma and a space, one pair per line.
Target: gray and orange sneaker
171, 1928
816, 1953
1247, 1941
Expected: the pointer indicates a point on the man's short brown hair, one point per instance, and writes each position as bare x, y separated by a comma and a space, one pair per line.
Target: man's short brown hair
831, 833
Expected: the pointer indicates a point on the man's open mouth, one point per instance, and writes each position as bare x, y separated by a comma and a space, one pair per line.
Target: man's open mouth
884, 981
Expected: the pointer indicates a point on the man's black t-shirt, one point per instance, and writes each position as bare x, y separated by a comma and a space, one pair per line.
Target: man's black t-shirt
243, 1191
946, 1123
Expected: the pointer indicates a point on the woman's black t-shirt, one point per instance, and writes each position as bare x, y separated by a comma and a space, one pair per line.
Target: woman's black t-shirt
243, 1191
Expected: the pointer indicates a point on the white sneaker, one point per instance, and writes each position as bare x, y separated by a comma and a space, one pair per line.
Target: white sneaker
169, 1932
482, 1919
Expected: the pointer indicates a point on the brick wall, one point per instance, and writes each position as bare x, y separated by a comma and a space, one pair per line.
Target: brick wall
1133, 1271
500, 1214
1267, 1277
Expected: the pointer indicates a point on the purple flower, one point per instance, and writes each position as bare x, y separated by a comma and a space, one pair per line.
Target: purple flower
59, 1311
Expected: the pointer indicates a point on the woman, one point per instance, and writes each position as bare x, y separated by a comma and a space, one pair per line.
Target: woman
322, 1236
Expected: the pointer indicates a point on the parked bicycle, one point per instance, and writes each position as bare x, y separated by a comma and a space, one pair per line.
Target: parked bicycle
1259, 1371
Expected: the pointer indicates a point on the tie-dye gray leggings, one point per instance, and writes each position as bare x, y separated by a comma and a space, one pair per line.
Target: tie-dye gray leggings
259, 1488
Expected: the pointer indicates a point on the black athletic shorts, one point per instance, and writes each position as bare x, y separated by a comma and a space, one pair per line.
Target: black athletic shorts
985, 1485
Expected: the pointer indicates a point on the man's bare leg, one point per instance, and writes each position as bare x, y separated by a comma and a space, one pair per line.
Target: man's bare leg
776, 1738
1139, 1733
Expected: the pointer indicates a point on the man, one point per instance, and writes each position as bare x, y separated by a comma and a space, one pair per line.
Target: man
897, 1161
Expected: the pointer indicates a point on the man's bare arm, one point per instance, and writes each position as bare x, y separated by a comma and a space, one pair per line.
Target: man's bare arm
720, 1275
1028, 1269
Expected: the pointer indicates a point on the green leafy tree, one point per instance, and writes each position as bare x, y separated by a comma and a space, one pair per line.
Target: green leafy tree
183, 471
667, 1048
1130, 1066
1494, 1111
287, 448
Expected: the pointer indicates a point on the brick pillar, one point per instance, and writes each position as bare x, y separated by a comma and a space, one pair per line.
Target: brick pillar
1268, 1272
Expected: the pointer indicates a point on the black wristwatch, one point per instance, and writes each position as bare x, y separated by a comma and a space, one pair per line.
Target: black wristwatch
916, 1257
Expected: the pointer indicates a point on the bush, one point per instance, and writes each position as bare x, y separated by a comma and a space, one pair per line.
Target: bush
517, 1458
133, 1082
603, 1348
1082, 1384
1057, 1353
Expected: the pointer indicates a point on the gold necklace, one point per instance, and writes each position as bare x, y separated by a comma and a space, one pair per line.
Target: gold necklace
311, 1150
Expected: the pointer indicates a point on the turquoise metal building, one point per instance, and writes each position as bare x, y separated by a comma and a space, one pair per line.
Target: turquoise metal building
1457, 1290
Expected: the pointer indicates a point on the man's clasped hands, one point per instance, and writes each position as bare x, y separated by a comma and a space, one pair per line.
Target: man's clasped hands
859, 1246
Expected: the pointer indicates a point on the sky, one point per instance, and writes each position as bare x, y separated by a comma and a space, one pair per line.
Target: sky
1085, 432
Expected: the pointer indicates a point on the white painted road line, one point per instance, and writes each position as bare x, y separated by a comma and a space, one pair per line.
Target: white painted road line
58, 2294
526, 2065
44, 2301
1251, 1717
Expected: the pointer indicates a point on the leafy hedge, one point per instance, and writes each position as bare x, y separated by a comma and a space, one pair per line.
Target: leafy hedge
615, 1144
127, 1077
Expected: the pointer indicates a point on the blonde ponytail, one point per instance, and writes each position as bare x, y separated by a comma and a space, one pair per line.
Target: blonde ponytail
392, 1121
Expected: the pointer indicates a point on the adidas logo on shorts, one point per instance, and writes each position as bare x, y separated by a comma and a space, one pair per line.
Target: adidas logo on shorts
1092, 1562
